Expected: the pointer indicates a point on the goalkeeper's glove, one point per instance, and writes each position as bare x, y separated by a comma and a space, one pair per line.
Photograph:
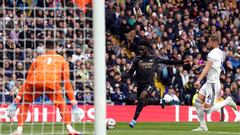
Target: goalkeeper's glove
76, 113
11, 110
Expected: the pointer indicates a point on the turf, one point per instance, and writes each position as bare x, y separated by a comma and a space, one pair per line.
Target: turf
219, 128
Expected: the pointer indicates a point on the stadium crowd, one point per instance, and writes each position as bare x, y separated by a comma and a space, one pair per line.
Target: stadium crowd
176, 29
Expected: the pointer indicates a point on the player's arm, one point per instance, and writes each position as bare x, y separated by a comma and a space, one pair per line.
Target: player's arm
21, 90
133, 67
19, 94
67, 84
69, 91
170, 62
32, 69
132, 70
11, 110
203, 73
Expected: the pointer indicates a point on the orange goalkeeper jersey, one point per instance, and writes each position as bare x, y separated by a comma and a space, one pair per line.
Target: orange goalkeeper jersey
48, 71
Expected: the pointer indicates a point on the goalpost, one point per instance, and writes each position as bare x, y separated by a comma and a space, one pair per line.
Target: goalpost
38, 21
99, 66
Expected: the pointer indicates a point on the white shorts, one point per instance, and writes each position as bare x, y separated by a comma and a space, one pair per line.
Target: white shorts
211, 92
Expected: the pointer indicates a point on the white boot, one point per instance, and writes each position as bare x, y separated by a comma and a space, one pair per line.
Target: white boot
201, 128
18, 131
231, 103
72, 131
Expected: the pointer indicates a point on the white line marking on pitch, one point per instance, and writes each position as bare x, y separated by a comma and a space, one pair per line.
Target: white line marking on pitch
229, 133
191, 132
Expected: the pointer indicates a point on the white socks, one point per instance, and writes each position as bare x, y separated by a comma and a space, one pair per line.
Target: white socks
69, 127
200, 112
217, 106
19, 129
71, 130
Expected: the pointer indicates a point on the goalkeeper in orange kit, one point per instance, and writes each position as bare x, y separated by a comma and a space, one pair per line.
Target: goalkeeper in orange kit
44, 77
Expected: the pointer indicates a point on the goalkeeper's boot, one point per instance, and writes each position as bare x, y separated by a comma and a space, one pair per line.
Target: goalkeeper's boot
132, 123
16, 132
74, 132
231, 103
201, 128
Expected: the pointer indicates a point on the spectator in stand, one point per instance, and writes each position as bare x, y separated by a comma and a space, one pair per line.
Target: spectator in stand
88, 96
109, 93
8, 68
178, 84
132, 96
237, 99
171, 97
237, 74
189, 91
118, 97
2, 91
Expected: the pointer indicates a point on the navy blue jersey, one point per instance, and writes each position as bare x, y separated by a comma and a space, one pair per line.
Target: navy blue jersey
143, 68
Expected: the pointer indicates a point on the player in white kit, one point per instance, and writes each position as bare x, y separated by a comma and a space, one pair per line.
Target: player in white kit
208, 93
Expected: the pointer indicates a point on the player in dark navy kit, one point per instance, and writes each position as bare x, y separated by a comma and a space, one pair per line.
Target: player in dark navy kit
142, 72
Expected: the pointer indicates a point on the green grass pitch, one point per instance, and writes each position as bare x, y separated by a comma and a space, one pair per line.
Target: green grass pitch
218, 128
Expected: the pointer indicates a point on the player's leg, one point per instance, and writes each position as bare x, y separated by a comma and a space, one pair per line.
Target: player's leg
216, 106
142, 101
57, 99
152, 100
199, 108
28, 98
59, 102
12, 108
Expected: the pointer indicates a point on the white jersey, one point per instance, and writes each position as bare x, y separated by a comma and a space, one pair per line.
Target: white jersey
216, 56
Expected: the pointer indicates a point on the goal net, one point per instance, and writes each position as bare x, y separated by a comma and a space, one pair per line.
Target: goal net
24, 26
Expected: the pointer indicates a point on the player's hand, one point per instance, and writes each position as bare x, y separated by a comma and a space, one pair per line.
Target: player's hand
197, 84
76, 113
11, 110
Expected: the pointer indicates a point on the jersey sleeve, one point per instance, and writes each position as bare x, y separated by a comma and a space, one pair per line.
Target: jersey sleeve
133, 67
20, 93
31, 69
67, 84
169, 62
211, 56
23, 87
29, 74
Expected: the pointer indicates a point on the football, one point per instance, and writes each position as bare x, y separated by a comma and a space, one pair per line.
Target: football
111, 123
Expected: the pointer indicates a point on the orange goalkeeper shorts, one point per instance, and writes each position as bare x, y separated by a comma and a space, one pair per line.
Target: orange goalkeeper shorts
32, 92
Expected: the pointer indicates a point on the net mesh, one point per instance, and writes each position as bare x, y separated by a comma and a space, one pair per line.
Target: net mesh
24, 26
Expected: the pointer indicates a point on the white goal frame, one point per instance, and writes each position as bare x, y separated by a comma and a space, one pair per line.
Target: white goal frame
99, 66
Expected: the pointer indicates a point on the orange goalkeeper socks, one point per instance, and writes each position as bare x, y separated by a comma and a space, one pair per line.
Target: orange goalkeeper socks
65, 113
22, 115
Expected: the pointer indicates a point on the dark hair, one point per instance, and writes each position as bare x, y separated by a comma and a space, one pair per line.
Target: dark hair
144, 43
49, 44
